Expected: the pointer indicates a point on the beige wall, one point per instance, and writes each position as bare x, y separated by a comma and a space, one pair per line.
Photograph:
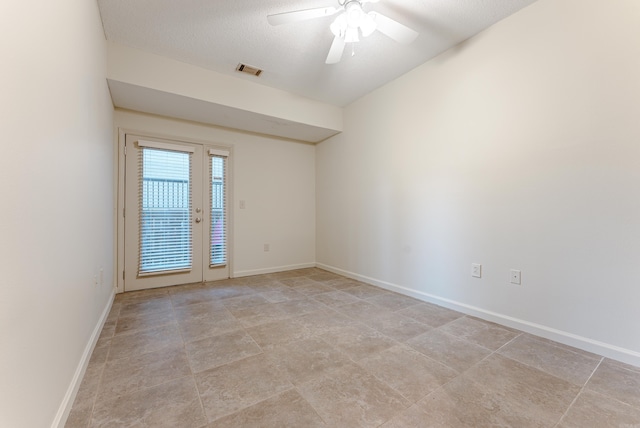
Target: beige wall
56, 182
275, 178
518, 149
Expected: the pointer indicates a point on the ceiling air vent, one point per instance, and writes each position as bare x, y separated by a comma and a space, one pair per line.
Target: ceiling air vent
244, 68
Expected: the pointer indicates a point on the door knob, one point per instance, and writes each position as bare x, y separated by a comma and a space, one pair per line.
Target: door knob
198, 219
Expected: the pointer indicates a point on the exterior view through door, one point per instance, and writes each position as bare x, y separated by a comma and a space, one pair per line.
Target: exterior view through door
176, 213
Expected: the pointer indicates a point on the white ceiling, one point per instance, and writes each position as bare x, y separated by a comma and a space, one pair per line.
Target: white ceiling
219, 34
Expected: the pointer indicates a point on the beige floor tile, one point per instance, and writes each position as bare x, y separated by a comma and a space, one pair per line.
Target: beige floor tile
456, 353
192, 296
357, 341
261, 314
99, 354
466, 404
172, 404
363, 311
396, 326
242, 302
363, 291
218, 350
229, 291
126, 375
546, 356
287, 409
235, 386
337, 353
311, 289
413, 417
307, 359
393, 301
146, 307
595, 410
532, 389
408, 371
216, 323
351, 397
142, 342
320, 322
278, 332
80, 416
277, 296
335, 298
482, 333
342, 283
300, 307
429, 314
89, 385
199, 310
144, 321
617, 380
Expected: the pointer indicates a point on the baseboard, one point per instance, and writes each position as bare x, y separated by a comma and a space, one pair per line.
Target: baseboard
586, 344
242, 273
65, 408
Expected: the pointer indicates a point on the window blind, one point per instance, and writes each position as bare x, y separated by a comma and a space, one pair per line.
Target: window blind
165, 209
218, 185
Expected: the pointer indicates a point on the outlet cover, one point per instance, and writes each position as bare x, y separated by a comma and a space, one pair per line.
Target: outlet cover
516, 276
476, 270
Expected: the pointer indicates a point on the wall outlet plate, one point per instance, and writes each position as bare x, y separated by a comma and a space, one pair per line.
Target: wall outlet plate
515, 276
476, 270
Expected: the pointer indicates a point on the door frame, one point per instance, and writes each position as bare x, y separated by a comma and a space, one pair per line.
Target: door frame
120, 193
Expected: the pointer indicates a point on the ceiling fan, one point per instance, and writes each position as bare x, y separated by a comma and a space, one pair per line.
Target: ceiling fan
352, 22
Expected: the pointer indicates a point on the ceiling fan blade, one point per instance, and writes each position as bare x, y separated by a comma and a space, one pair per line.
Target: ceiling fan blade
337, 48
393, 29
300, 15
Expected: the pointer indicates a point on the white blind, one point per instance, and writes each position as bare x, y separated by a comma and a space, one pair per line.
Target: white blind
218, 186
165, 210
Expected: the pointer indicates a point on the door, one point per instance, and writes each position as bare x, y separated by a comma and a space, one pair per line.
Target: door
175, 213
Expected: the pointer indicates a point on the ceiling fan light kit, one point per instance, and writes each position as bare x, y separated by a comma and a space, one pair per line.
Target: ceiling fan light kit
352, 22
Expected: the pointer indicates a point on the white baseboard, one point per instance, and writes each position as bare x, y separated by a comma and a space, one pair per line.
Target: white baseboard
604, 349
65, 407
238, 274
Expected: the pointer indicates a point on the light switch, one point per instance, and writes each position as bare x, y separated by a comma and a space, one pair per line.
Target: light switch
242, 204
476, 270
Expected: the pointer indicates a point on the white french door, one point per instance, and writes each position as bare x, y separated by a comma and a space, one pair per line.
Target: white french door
176, 213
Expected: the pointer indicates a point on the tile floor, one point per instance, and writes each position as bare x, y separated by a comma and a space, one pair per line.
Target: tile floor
308, 348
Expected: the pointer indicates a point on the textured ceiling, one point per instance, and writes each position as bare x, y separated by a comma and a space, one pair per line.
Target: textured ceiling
219, 34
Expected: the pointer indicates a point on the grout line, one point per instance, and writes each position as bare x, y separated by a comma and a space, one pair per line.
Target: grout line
578, 394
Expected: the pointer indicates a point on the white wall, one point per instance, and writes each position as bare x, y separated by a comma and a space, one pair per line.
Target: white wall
518, 149
56, 220
275, 178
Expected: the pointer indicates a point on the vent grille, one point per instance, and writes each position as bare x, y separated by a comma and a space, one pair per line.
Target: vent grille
244, 68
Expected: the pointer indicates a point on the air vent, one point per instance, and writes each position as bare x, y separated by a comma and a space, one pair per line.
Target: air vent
244, 68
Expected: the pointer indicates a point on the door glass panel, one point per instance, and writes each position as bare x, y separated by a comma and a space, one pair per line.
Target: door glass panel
218, 212
165, 211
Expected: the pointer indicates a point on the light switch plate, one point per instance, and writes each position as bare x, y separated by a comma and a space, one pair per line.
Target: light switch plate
476, 270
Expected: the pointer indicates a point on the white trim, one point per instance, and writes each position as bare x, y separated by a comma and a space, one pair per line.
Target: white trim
166, 146
65, 407
604, 349
221, 153
242, 273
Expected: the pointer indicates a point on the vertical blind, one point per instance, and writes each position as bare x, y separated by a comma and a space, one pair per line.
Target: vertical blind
165, 210
217, 180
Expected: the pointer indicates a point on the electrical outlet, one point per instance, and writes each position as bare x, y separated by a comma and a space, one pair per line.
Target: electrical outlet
243, 204
101, 277
266, 247
516, 276
476, 270
95, 279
